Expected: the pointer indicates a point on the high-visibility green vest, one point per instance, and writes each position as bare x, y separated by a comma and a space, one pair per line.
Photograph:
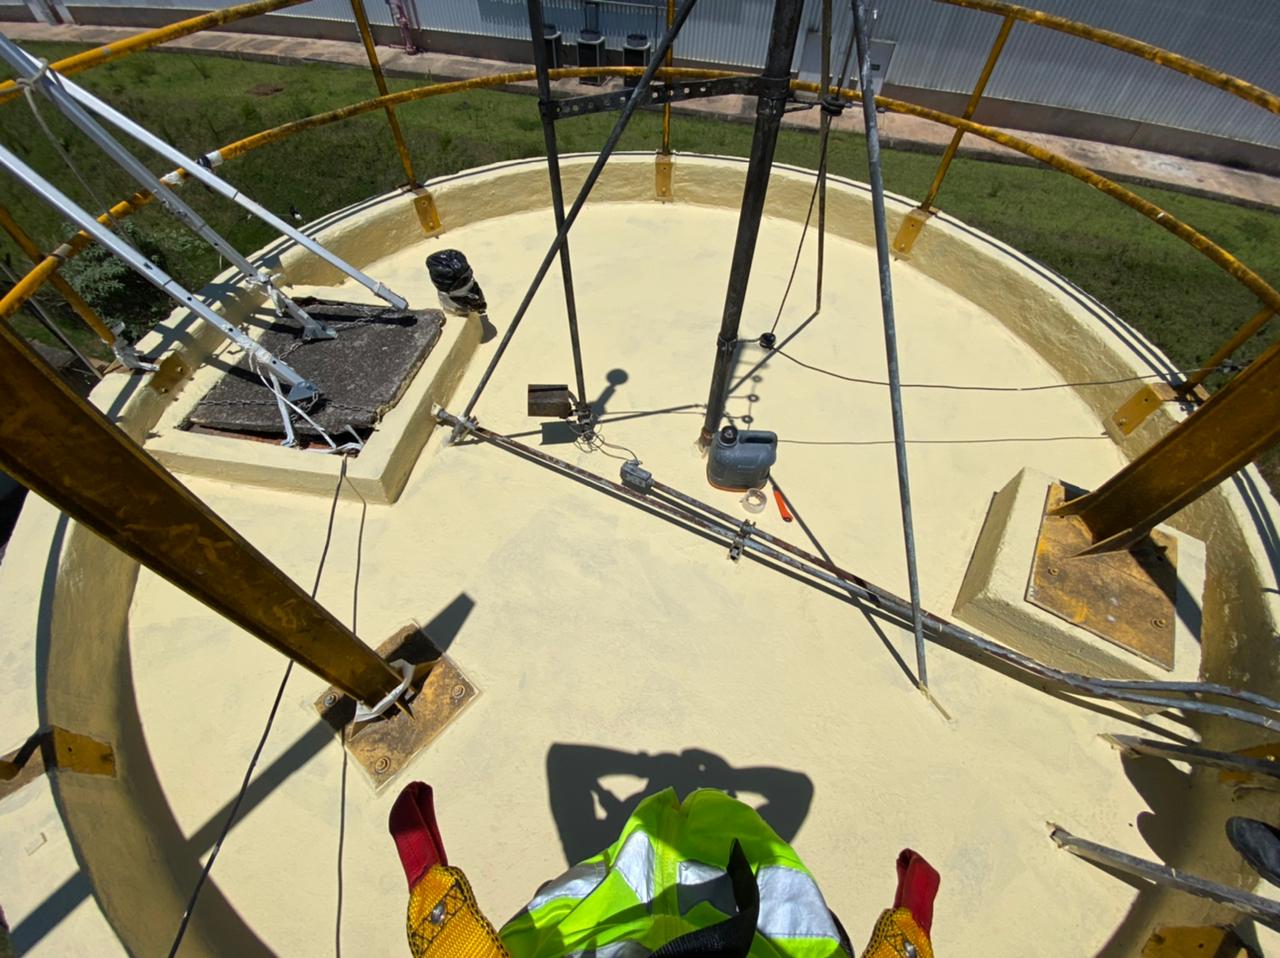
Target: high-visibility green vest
666, 876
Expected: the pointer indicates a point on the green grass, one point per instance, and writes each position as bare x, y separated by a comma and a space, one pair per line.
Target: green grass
1184, 303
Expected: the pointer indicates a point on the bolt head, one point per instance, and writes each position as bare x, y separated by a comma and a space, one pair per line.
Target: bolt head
1053, 570
330, 699
381, 765
458, 691
1159, 623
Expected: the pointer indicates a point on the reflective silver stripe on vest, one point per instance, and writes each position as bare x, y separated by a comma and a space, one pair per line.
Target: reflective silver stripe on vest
791, 906
701, 882
635, 864
578, 882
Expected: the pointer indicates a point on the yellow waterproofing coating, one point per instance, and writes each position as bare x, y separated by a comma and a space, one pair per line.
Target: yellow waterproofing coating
1118, 41
1243, 274
150, 38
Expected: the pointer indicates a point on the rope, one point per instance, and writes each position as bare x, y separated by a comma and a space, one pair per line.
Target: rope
266, 731
28, 87
993, 389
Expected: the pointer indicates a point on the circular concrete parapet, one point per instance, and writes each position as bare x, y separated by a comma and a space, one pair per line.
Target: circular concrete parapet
584, 623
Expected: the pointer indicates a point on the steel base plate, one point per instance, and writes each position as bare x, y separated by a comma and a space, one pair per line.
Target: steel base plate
386, 745
1125, 597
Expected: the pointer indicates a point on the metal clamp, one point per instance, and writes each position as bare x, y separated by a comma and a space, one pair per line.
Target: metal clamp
740, 540
772, 94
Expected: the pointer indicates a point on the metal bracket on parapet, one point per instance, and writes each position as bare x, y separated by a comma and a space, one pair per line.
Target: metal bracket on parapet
54, 748
910, 230
658, 94
424, 204
663, 170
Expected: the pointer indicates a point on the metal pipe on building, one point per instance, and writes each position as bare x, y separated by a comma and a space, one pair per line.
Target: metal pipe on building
769, 106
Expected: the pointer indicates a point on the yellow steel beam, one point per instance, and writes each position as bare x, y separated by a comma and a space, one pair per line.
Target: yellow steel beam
375, 66
1118, 41
670, 60
65, 289
1225, 352
150, 38
1238, 270
970, 108
1228, 432
62, 448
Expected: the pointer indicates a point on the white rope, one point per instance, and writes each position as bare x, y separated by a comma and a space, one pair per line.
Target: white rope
28, 87
284, 405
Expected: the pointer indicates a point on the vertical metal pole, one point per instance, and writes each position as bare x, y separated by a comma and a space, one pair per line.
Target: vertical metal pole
860, 17
638, 95
537, 33
669, 60
769, 106
824, 134
970, 108
67, 452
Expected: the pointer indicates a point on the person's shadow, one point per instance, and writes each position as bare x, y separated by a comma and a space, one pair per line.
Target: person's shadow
593, 790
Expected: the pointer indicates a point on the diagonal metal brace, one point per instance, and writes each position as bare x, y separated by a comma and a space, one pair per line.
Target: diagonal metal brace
658, 94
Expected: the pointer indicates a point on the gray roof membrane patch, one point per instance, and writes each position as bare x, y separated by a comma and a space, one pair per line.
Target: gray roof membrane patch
361, 374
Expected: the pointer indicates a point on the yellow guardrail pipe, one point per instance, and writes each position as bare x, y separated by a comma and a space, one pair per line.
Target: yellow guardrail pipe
150, 38
1242, 273
1118, 41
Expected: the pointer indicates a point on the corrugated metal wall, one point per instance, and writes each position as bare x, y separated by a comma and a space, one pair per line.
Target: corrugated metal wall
940, 47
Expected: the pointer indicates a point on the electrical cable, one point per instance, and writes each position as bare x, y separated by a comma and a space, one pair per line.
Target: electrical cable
994, 389
266, 731
342, 802
813, 197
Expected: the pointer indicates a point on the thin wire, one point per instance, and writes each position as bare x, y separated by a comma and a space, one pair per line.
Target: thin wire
266, 731
28, 90
342, 802
991, 389
795, 265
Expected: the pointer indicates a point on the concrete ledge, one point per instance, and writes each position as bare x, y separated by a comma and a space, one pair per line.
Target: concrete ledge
381, 469
993, 595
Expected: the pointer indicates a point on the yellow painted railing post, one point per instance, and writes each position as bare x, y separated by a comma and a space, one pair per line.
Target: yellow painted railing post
423, 201
663, 163
915, 221
65, 289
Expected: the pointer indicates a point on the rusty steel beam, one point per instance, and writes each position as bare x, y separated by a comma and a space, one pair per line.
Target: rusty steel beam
1223, 436
66, 451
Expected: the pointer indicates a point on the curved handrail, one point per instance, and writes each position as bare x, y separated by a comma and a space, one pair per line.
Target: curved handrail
147, 39
1138, 48
1267, 294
